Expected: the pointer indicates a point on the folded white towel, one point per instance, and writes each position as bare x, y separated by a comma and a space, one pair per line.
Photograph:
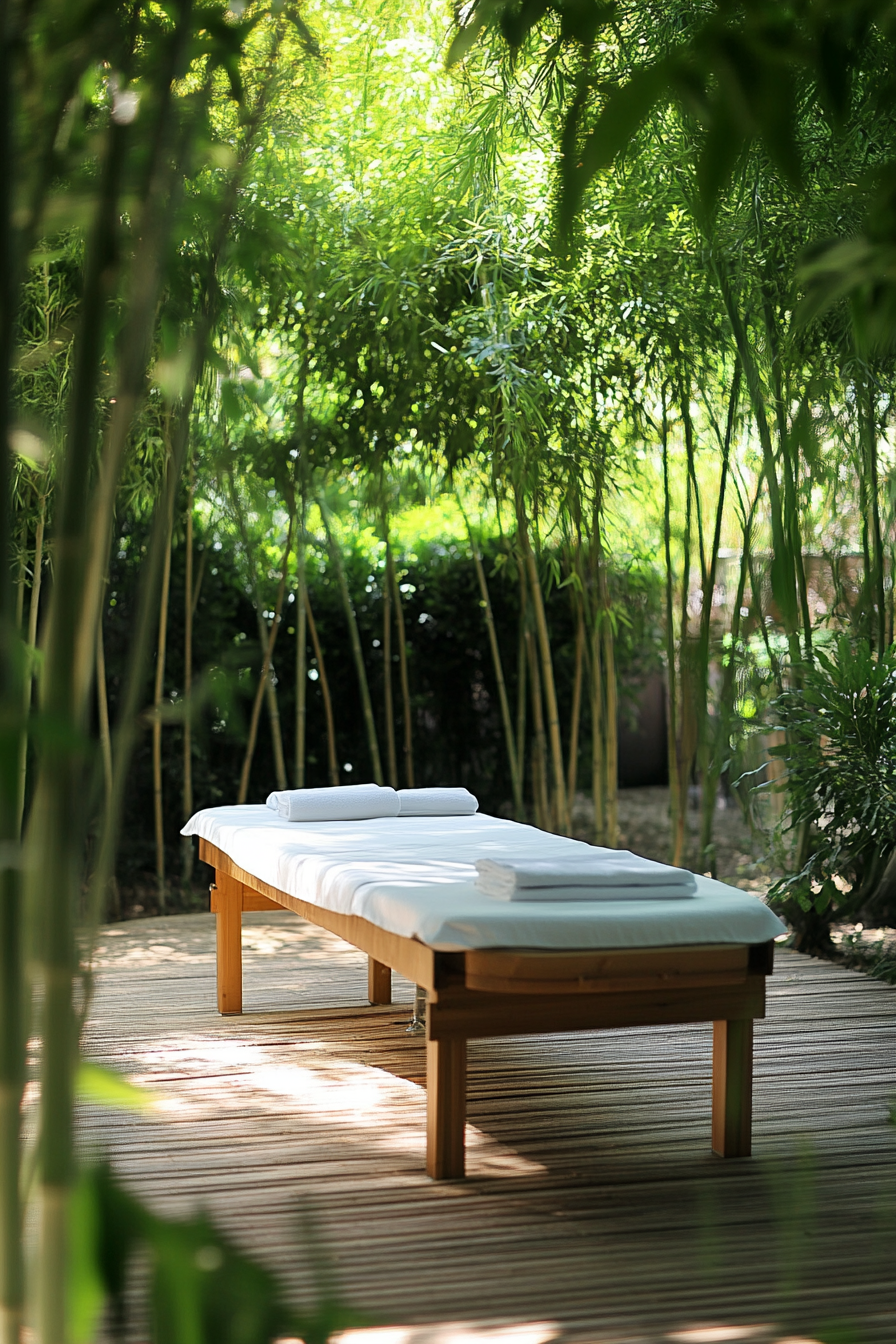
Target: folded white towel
603, 875
437, 803
342, 802
655, 893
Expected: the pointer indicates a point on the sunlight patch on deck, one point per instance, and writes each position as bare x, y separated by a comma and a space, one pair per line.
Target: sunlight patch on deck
460, 1332
723, 1334
595, 1213
217, 1078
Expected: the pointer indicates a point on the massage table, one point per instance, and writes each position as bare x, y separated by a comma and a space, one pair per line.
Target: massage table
401, 889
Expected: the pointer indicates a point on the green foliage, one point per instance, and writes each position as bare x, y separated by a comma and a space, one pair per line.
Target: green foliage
840, 758
201, 1289
108, 1088
749, 75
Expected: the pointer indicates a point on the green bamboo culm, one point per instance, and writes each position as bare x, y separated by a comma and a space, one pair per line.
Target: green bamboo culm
516, 782
264, 679
407, 712
55, 828
12, 988
675, 801
388, 705
560, 809
355, 638
301, 655
187, 789
710, 746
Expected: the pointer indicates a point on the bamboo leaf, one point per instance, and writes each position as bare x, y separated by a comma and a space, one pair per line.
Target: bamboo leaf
465, 39
86, 1290
105, 1087
723, 146
625, 111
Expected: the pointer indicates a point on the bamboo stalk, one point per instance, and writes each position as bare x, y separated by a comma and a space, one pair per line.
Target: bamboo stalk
355, 639
20, 578
407, 713
332, 763
521, 692
56, 828
516, 782
576, 710
12, 952
672, 693
269, 689
57, 822
606, 665
710, 777
388, 706
197, 584
301, 659
12, 1086
598, 777
187, 806
28, 681
683, 741
543, 818
561, 809
36, 576
728, 685
611, 736
102, 698
265, 668
785, 589
876, 533
105, 732
789, 455
157, 719
604, 709
273, 703
54, 1200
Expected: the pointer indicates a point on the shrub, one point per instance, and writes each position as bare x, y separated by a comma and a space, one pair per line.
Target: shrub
840, 755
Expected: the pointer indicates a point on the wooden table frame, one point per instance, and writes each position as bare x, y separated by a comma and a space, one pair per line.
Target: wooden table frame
523, 993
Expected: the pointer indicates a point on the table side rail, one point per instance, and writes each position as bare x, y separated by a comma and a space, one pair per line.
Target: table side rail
603, 972
472, 1015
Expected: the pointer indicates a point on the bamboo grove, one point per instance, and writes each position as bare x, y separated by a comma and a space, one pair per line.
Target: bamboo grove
276, 282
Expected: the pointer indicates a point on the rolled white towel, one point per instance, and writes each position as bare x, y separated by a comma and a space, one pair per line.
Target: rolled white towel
604, 875
341, 802
437, 803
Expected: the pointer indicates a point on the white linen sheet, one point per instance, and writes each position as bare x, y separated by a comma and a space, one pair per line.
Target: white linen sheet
415, 876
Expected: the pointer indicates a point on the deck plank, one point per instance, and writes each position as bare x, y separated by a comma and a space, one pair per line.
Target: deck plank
593, 1210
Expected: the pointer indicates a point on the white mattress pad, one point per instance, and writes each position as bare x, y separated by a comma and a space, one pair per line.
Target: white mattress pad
414, 876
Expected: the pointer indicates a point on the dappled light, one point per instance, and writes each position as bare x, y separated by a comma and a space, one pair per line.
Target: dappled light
587, 1156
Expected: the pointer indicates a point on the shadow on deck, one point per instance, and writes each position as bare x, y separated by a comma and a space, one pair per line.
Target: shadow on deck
593, 1208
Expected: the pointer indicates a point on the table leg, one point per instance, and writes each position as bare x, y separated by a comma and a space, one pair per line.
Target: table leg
446, 1108
379, 981
732, 1088
229, 929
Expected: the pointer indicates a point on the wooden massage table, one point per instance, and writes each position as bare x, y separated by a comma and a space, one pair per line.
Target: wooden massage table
477, 992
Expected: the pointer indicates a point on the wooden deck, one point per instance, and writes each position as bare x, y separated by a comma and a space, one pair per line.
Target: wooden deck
593, 1210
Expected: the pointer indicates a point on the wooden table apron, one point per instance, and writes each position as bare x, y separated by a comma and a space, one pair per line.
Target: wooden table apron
518, 993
